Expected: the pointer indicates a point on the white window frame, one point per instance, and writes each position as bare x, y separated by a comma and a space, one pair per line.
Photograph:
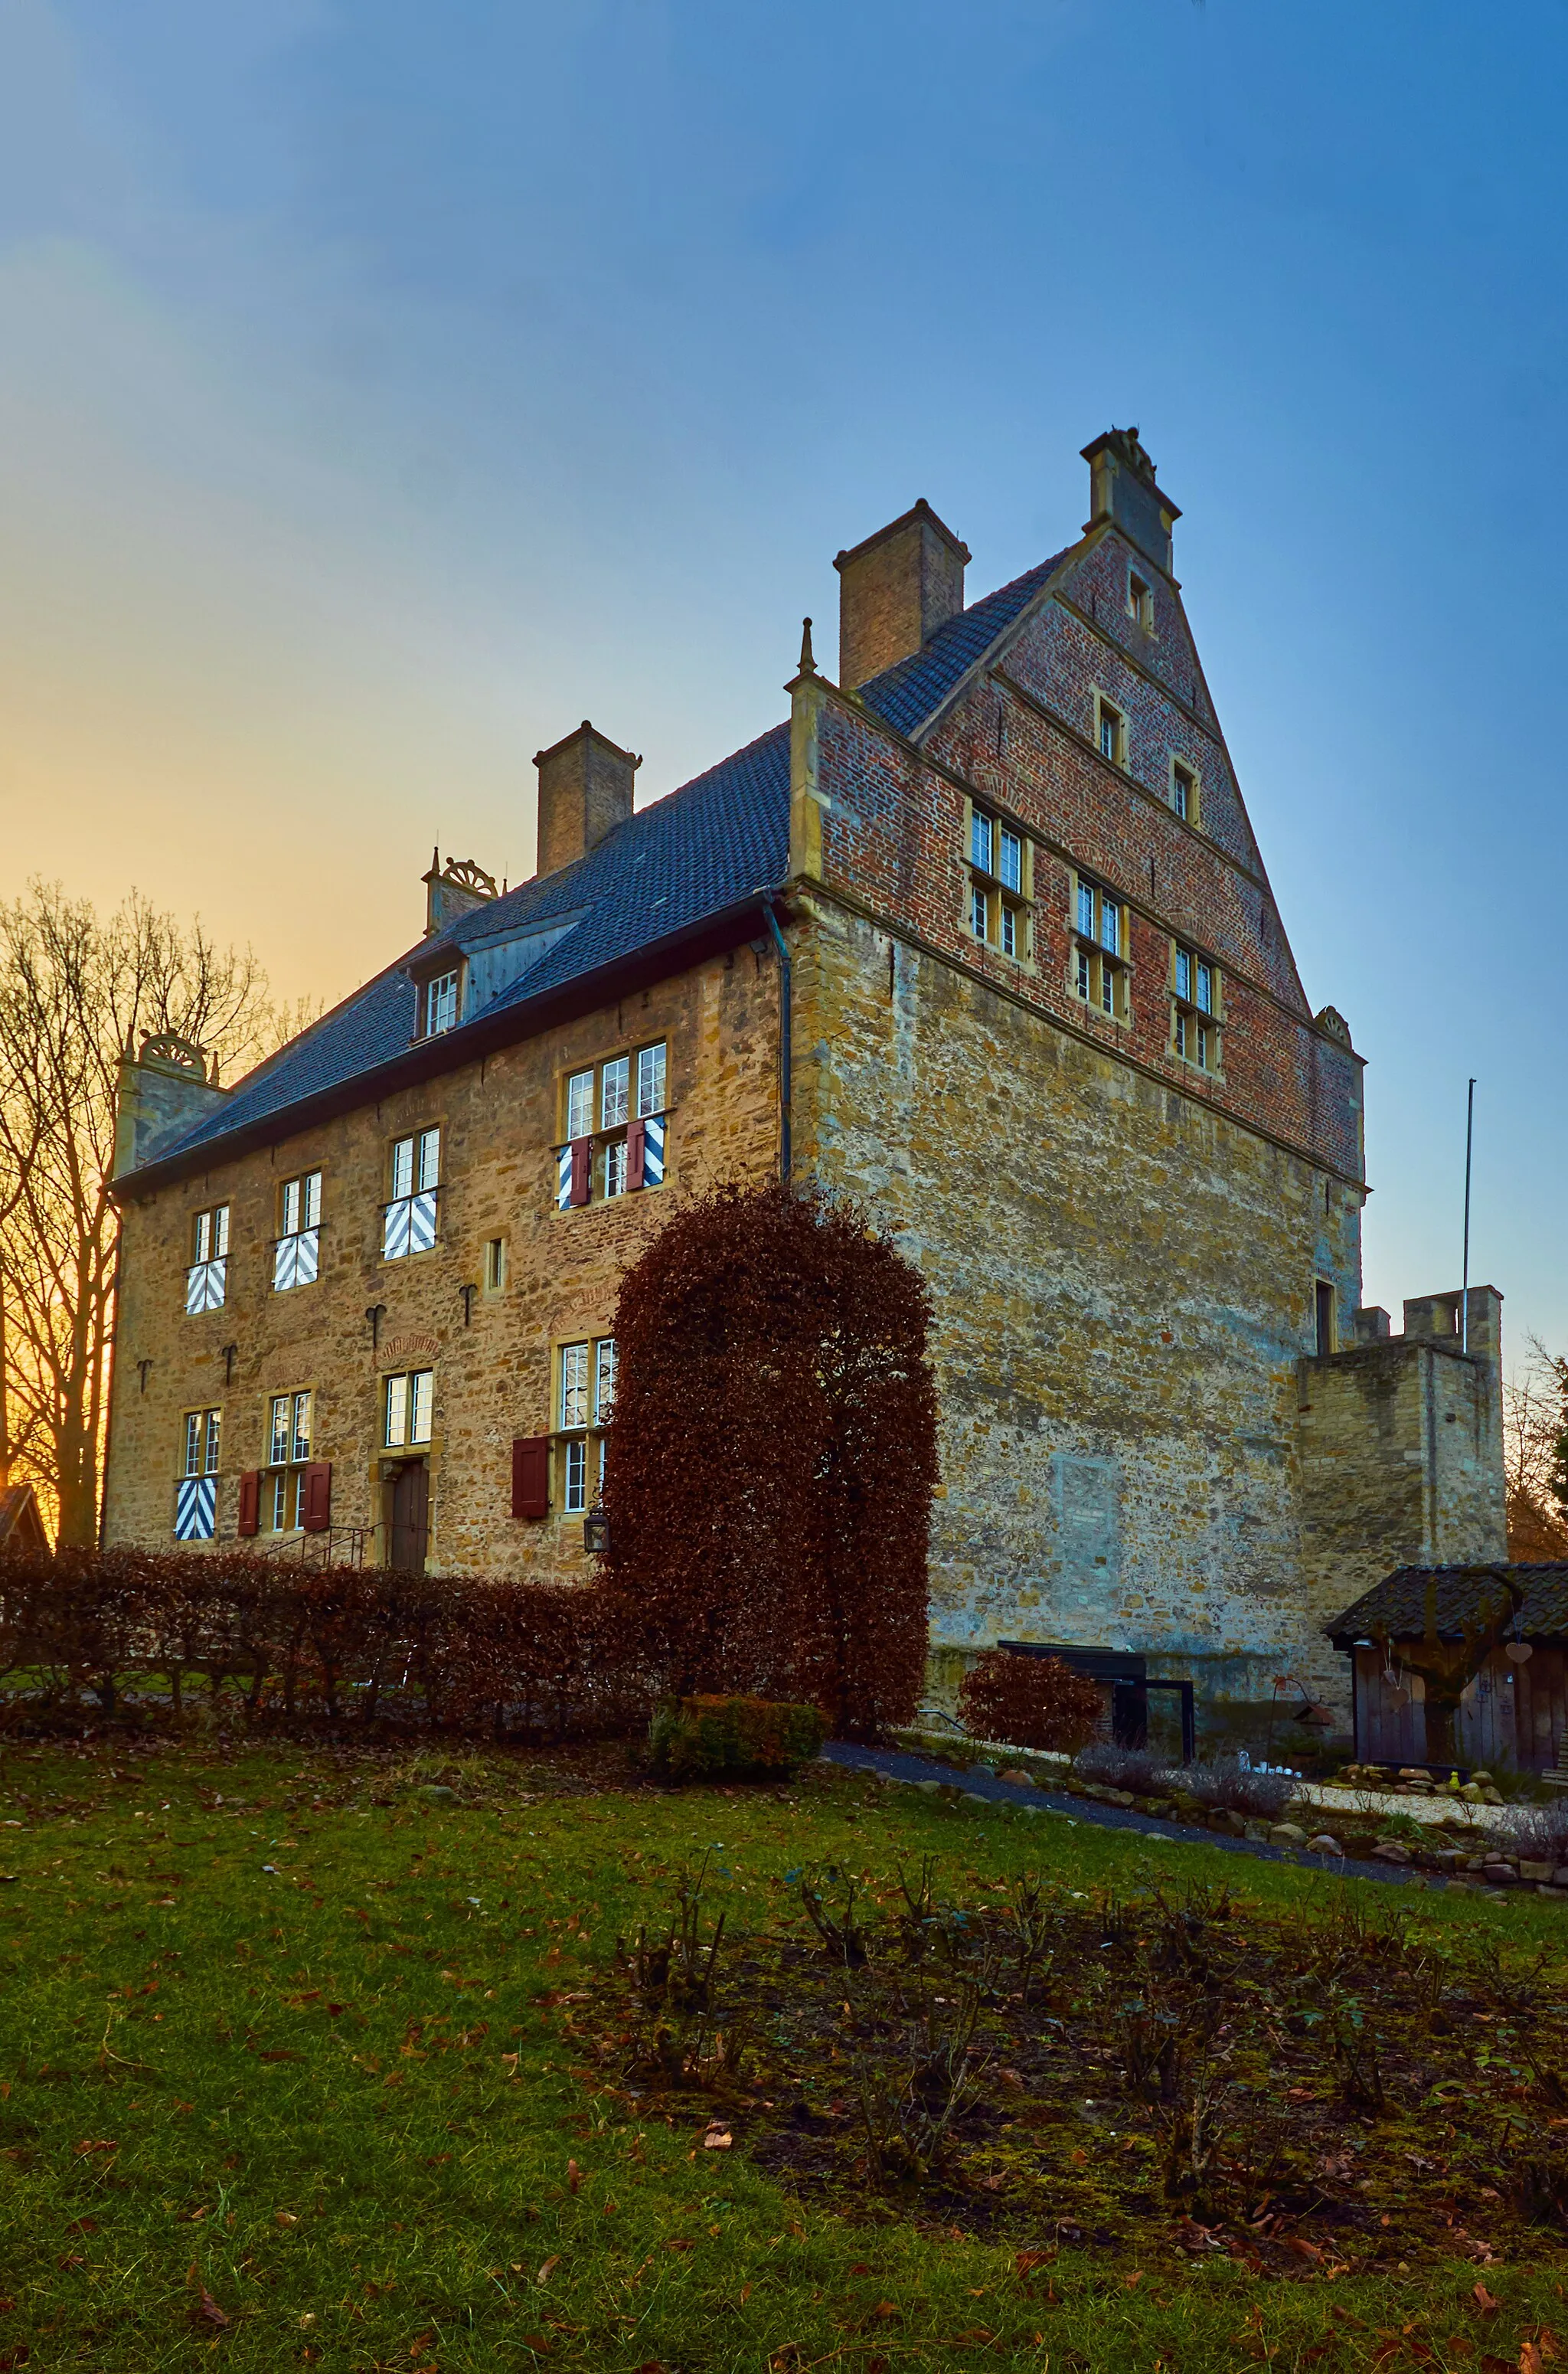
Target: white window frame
1184, 790
207, 1277
440, 1000
297, 1254
1194, 1007
601, 1101
408, 1220
291, 1433
1107, 712
408, 1409
1000, 883
585, 1401
1098, 968
1139, 600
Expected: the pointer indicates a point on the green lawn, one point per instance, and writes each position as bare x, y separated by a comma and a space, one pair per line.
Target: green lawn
338, 2112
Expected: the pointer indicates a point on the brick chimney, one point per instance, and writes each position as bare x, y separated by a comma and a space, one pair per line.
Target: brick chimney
585, 791
1122, 488
894, 591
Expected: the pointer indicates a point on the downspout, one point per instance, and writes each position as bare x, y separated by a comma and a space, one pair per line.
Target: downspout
785, 1065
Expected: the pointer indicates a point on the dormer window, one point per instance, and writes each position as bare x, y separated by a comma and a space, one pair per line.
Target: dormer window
1139, 603
440, 997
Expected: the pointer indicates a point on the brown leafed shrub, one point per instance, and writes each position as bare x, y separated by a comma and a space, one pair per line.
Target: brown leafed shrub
692, 1738
1030, 1701
770, 1472
343, 1642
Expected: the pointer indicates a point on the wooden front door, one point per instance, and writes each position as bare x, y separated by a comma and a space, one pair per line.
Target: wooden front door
410, 1525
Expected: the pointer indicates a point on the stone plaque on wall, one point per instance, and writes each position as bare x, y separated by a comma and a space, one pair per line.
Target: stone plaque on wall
1088, 1508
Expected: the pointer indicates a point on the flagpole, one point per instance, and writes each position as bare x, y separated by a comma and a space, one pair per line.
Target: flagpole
1464, 1284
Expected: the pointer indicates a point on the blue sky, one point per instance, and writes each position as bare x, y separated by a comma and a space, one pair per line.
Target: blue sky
385, 387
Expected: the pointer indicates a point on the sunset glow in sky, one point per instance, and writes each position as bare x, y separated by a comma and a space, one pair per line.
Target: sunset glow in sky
383, 388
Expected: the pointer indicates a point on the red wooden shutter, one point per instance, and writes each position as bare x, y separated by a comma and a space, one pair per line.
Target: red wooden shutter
637, 1138
582, 1168
531, 1476
316, 1516
249, 1518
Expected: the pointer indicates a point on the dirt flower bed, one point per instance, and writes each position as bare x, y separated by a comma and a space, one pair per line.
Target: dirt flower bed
1156, 2073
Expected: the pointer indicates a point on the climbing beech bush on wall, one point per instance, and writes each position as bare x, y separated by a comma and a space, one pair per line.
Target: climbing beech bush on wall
770, 1472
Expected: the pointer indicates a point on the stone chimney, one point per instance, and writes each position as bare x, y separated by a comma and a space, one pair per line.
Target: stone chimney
585, 791
894, 591
1122, 488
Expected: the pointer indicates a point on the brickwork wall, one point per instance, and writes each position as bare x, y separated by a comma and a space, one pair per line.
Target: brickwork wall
892, 838
1123, 1284
494, 1376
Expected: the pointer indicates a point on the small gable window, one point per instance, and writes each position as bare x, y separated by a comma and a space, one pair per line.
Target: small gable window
1111, 731
1183, 791
441, 1003
1139, 602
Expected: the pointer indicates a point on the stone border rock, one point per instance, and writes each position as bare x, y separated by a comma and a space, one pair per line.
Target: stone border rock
979, 1789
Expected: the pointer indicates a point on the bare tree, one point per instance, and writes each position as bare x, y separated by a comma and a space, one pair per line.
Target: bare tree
76, 991
1535, 1429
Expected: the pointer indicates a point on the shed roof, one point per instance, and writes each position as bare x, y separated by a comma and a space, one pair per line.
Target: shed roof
1462, 1594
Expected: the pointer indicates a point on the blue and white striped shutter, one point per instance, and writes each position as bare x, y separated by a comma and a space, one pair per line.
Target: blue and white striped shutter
286, 1264
203, 1285
564, 1180
306, 1257
653, 1151
421, 1223
394, 1238
195, 1509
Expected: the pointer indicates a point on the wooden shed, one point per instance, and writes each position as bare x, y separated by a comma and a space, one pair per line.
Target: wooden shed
1515, 1712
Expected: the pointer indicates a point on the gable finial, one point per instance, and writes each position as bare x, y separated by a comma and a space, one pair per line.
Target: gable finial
808, 660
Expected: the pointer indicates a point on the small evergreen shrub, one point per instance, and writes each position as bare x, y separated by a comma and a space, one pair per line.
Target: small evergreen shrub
1137, 1768
698, 1738
1030, 1701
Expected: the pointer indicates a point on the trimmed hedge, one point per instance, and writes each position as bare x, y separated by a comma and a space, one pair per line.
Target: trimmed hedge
273, 1638
694, 1738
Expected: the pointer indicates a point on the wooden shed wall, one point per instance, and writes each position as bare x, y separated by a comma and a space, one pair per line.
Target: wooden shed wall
1516, 1718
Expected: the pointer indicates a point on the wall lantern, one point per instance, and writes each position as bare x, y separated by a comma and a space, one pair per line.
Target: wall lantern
596, 1530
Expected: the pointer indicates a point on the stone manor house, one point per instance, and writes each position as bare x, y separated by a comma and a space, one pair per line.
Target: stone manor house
978, 935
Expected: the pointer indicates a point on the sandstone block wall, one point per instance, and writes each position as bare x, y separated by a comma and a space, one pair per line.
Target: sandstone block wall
1123, 1283
492, 1367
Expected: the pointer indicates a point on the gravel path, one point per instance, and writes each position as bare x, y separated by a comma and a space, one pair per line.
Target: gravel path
903, 1767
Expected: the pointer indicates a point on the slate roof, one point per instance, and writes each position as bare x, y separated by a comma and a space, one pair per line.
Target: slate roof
908, 694
693, 855
1463, 1595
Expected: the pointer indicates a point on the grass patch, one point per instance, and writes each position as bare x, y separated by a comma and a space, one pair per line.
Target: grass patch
378, 2106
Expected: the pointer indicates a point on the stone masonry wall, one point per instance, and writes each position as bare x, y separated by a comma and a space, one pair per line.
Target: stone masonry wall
499, 1120
1123, 1286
